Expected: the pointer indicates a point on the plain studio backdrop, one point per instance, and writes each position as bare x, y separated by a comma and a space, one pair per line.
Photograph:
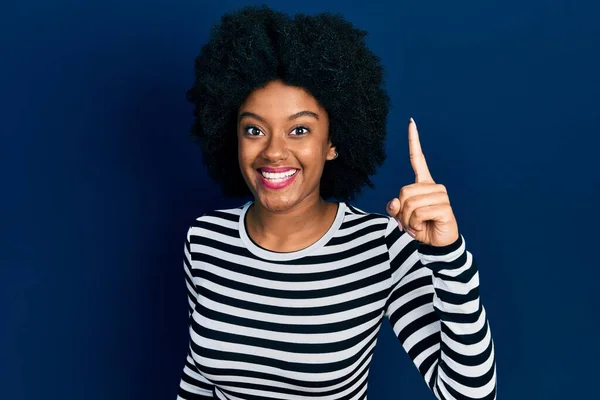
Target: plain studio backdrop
100, 181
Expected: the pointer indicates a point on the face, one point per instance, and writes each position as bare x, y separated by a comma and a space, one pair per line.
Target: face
283, 145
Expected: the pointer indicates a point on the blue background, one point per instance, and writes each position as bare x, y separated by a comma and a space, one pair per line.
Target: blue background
100, 180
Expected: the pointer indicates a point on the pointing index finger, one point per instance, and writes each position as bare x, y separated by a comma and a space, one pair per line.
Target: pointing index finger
417, 158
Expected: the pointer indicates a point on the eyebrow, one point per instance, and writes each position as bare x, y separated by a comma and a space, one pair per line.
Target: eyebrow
290, 118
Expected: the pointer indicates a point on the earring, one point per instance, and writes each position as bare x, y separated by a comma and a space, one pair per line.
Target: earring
335, 155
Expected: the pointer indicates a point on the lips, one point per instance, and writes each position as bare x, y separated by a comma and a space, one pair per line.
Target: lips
277, 178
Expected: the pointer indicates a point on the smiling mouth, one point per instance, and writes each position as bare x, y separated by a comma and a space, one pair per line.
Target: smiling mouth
277, 176
279, 179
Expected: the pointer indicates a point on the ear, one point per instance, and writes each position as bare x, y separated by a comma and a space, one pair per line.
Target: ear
331, 152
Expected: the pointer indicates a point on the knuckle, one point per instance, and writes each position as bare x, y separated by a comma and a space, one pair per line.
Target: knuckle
418, 213
442, 196
403, 194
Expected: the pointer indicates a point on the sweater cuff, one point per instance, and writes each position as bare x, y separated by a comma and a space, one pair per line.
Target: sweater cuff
444, 257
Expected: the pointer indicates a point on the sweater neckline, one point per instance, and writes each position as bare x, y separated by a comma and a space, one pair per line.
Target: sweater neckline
292, 255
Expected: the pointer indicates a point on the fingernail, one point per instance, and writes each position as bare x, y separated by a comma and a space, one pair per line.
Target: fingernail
400, 225
411, 233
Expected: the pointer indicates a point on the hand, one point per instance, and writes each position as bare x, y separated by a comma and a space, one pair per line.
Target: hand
423, 208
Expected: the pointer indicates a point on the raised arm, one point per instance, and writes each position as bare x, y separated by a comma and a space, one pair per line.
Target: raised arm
434, 305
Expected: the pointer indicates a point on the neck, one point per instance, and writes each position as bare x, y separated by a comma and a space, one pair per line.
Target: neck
292, 229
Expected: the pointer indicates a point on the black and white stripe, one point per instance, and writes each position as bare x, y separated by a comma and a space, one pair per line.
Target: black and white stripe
299, 325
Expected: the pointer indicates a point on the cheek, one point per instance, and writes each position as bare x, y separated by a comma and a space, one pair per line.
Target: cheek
245, 154
316, 153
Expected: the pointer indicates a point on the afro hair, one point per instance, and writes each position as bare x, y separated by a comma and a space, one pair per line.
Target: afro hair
324, 54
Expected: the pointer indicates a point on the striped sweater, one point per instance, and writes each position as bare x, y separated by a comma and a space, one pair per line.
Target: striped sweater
304, 324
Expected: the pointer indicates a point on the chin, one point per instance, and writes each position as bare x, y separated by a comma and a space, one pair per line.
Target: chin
276, 202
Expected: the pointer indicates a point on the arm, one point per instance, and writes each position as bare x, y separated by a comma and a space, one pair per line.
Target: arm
436, 312
192, 386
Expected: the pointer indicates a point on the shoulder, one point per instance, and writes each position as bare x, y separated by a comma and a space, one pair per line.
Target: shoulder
220, 221
355, 217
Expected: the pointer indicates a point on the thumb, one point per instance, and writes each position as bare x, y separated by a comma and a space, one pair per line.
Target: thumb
393, 207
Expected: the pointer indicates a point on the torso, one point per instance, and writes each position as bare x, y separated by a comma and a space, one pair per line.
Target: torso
282, 325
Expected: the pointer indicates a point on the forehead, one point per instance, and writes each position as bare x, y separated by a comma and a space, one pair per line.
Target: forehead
277, 99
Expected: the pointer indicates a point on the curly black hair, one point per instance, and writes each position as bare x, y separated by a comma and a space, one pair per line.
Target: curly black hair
324, 54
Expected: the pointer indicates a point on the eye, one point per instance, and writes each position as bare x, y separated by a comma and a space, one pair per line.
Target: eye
300, 131
252, 131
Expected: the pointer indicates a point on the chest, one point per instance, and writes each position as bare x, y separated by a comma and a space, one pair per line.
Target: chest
273, 326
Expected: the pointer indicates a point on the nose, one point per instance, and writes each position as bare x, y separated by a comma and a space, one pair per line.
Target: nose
276, 149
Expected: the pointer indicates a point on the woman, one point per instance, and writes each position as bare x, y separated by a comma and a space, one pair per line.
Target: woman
287, 292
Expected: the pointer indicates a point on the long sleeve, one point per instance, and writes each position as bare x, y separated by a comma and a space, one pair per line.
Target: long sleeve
192, 386
436, 312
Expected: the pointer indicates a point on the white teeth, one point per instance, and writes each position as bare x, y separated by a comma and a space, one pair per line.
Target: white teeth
278, 176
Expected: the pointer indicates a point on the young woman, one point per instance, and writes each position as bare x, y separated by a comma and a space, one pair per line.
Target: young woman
287, 292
